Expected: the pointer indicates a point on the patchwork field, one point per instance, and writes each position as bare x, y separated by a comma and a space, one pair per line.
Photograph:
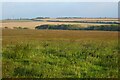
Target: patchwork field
59, 54
74, 40
32, 24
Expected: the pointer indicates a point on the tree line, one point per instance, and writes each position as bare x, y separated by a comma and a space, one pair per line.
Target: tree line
77, 27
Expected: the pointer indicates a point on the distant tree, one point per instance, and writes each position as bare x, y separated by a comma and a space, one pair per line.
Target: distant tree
6, 27
75, 27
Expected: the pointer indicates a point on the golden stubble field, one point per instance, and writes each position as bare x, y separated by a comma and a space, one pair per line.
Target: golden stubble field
32, 24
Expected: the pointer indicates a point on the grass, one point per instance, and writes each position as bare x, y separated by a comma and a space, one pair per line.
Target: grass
69, 54
10, 36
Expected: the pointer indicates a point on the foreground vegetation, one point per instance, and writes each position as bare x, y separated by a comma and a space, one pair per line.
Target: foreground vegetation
93, 55
61, 59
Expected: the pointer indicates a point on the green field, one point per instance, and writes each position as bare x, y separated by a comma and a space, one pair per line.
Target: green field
59, 54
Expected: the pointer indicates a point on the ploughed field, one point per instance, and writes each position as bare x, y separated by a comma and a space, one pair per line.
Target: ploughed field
59, 54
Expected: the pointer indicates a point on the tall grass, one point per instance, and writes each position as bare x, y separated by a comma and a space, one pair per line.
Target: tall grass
62, 59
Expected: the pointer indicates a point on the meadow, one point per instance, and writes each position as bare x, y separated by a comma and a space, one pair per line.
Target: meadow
59, 54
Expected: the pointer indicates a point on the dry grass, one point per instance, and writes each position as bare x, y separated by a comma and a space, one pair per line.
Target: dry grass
12, 36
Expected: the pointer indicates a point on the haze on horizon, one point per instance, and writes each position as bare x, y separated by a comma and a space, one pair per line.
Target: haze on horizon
15, 10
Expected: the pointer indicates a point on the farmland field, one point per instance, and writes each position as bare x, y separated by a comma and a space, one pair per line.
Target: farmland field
75, 40
59, 54
31, 24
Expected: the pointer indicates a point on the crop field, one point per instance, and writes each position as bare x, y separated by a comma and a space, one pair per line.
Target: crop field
31, 24
59, 54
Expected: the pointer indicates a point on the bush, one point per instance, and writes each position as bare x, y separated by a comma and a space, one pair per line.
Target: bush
20, 28
6, 27
77, 27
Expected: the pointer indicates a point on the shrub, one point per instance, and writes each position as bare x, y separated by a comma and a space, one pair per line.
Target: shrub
76, 27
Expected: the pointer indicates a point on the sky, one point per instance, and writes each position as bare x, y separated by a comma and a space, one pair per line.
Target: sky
59, 0
58, 9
